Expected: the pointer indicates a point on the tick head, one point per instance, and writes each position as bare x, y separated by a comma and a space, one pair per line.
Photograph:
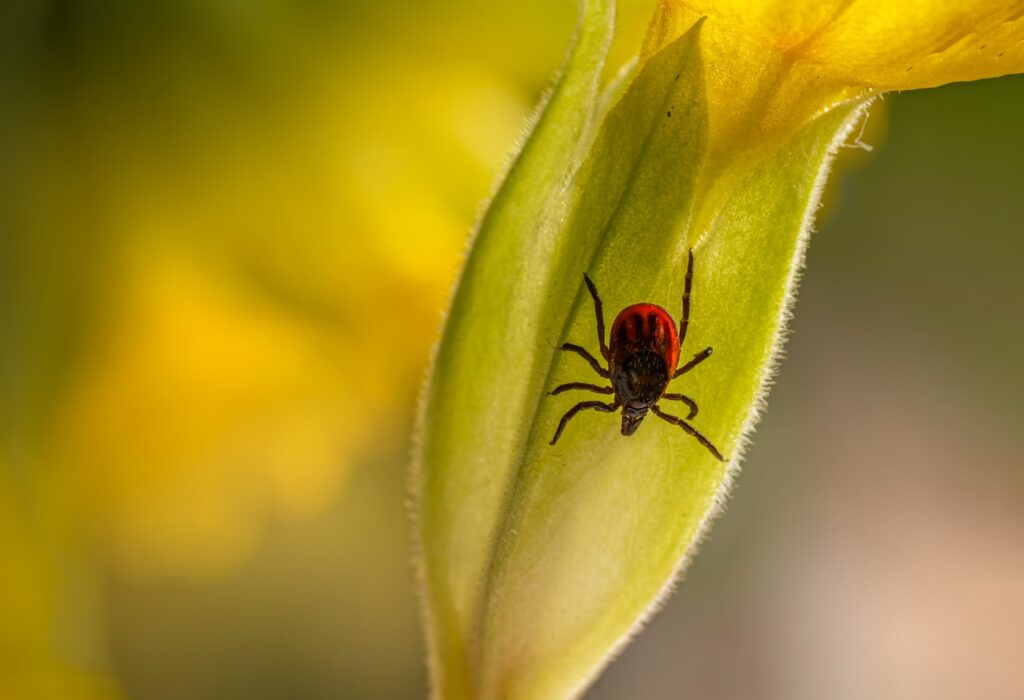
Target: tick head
632, 417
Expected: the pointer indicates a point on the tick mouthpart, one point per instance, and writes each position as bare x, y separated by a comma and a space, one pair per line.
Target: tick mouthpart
632, 417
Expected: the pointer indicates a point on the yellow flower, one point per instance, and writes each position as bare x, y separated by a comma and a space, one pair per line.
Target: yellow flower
879, 44
772, 66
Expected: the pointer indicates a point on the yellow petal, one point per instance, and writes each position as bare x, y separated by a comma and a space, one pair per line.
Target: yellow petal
206, 410
772, 66
881, 43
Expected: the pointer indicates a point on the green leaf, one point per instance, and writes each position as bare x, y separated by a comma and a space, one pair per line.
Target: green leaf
539, 561
477, 399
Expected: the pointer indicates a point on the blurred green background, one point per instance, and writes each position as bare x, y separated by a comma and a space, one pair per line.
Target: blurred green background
228, 233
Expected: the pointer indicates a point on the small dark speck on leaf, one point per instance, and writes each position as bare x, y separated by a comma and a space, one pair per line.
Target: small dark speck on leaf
677, 76
670, 113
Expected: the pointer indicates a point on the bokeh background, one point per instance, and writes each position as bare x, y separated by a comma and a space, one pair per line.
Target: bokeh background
228, 233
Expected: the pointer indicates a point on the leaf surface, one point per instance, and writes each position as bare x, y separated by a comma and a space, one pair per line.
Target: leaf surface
539, 561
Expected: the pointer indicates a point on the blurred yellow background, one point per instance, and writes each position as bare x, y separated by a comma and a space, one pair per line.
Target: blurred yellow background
228, 233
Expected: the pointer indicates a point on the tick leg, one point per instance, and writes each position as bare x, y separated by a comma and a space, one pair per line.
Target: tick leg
598, 311
689, 429
696, 360
685, 399
582, 406
684, 320
581, 385
582, 352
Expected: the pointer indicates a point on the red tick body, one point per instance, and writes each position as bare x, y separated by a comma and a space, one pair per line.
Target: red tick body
644, 328
642, 355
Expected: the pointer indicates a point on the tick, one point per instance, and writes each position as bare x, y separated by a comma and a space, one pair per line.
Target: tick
642, 355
